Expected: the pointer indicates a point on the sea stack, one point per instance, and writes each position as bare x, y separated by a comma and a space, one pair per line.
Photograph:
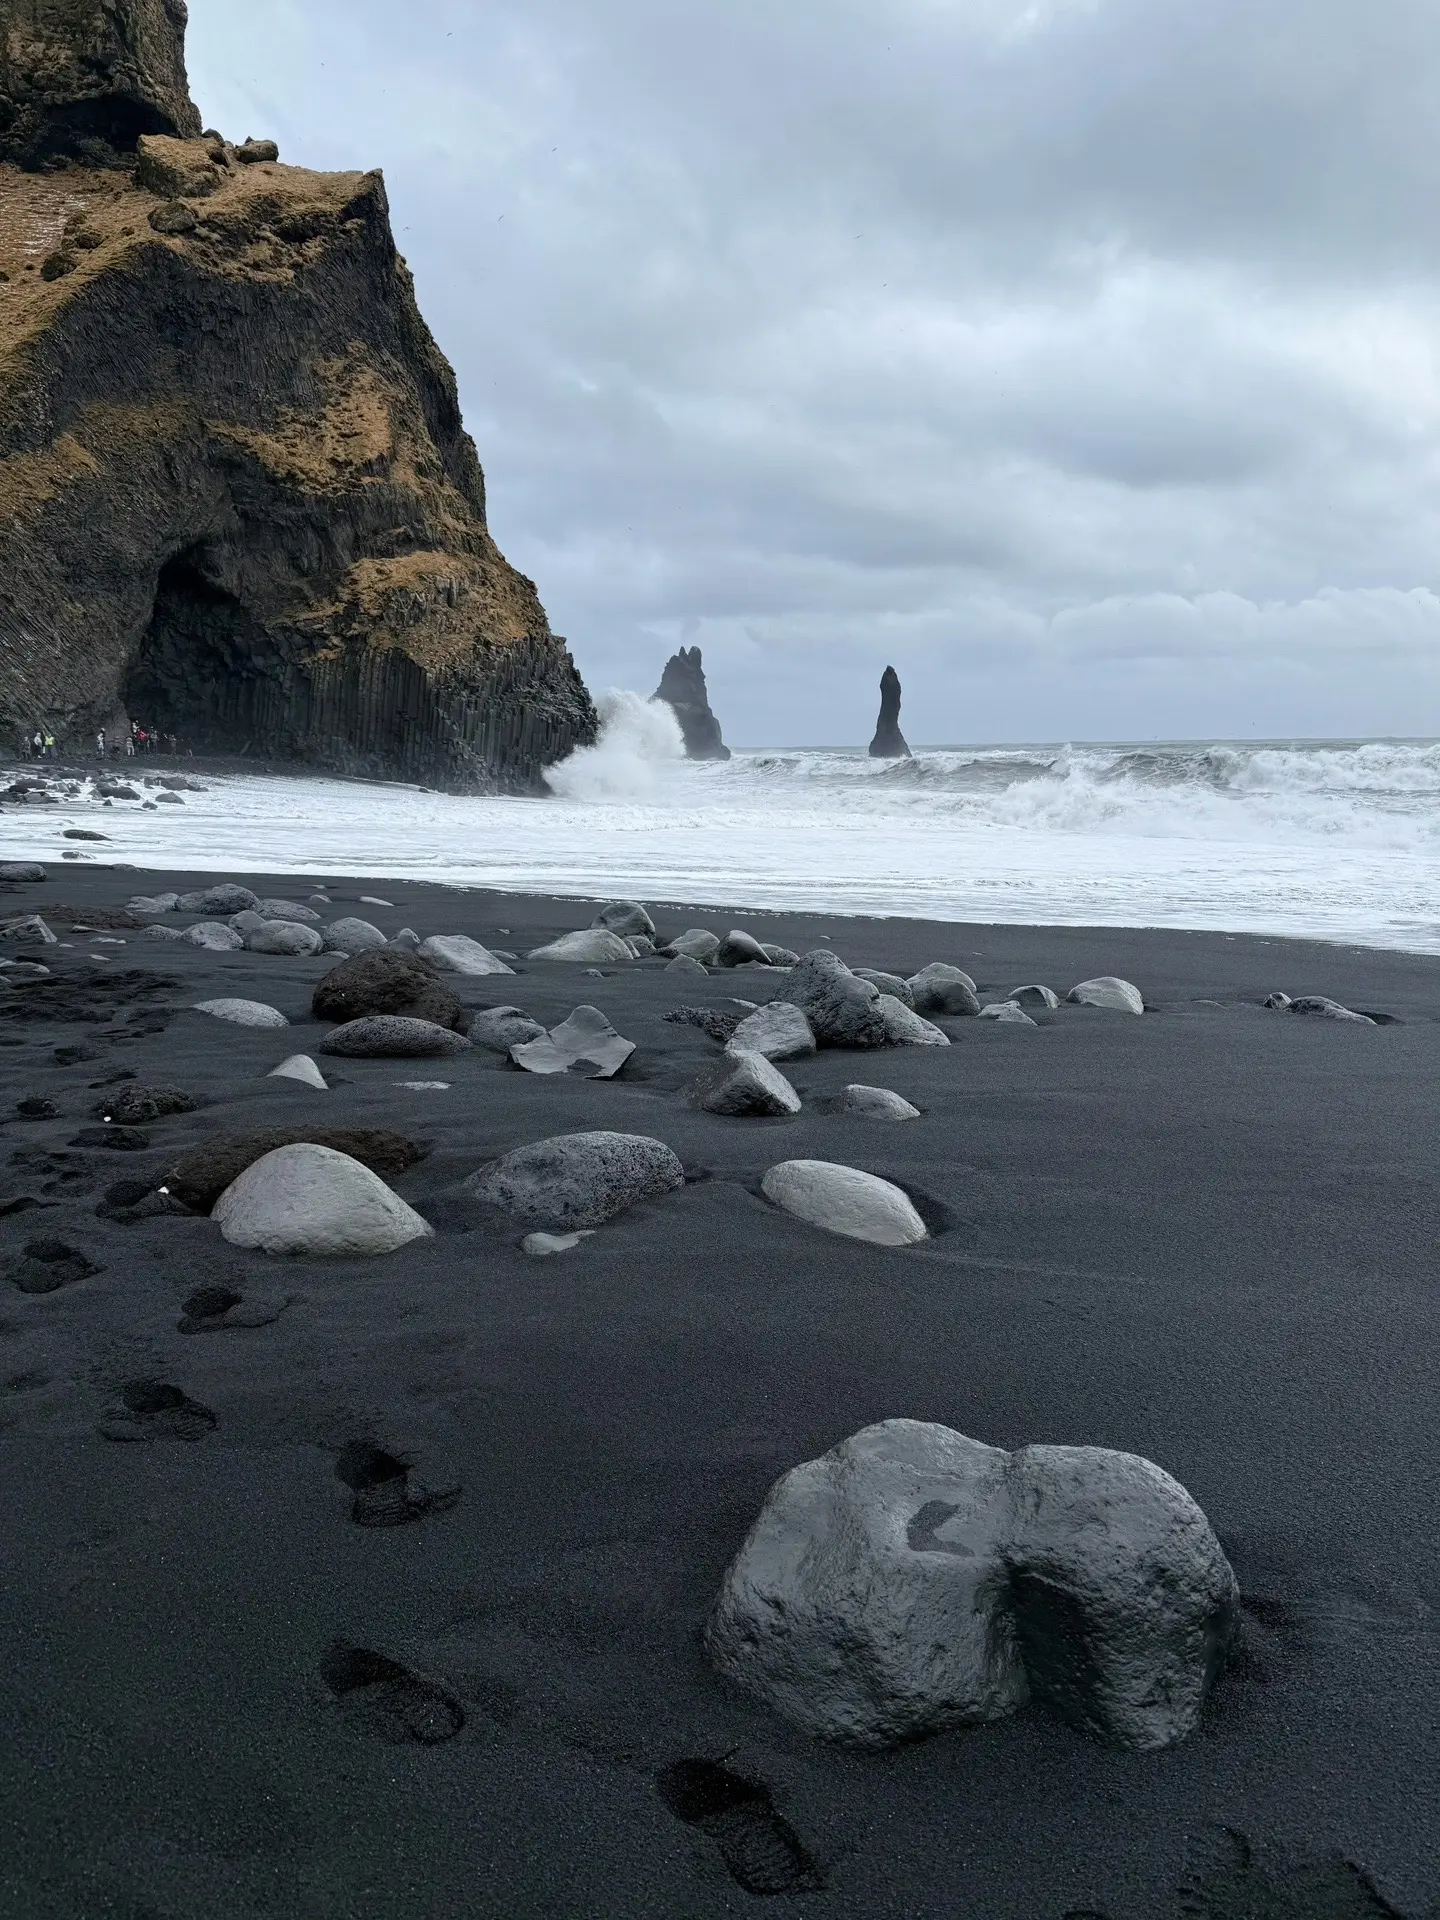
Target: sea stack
237, 500
889, 742
682, 686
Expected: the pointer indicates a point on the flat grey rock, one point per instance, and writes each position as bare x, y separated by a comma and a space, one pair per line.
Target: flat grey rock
843, 1200
1319, 1006
214, 936
542, 1245
747, 1085
684, 968
243, 1013
779, 1031
589, 946
586, 1040
350, 935
1107, 991
501, 1028
393, 1036
577, 1179
843, 1011
940, 988
876, 1103
914, 1580
905, 1028
1035, 996
625, 917
458, 953
300, 1067
288, 910
28, 930
157, 932
312, 1200
288, 937
151, 905
738, 948
697, 943
225, 898
1007, 1011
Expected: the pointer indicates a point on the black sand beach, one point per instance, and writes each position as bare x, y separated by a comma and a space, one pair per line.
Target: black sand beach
1206, 1236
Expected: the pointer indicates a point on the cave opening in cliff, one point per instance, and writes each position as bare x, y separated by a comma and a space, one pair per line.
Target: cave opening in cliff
205, 670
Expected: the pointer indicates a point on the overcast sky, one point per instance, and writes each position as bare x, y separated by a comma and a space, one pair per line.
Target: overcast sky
1079, 357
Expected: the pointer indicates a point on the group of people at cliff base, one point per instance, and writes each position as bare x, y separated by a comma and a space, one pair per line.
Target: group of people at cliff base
40, 745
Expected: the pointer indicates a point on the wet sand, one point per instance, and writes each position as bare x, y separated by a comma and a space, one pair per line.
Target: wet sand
1206, 1236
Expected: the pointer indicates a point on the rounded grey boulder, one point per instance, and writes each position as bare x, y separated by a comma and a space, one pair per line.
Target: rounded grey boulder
312, 1200
1108, 991
243, 1013
458, 953
351, 935
686, 969
577, 1180
842, 1010
1007, 1011
939, 988
288, 910
282, 936
221, 899
876, 1103
1035, 996
500, 1028
746, 1085
738, 948
914, 1579
590, 946
214, 936
697, 943
890, 983
843, 1200
393, 1036
625, 917
21, 870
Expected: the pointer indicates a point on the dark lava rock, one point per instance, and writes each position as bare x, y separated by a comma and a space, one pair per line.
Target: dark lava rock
129, 1200
47, 1265
120, 1139
200, 1176
276, 597
137, 1106
682, 687
710, 1020
37, 1108
251, 151
389, 980
889, 742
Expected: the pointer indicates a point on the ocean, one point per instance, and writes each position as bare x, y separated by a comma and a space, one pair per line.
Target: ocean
1333, 839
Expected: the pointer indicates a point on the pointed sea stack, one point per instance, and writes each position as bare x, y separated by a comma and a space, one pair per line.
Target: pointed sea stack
237, 500
889, 742
682, 686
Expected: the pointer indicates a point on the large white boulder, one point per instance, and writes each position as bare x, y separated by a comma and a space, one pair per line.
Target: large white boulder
843, 1200
1106, 991
625, 917
243, 1013
458, 953
876, 1103
914, 1579
590, 946
312, 1200
843, 1011
214, 936
941, 988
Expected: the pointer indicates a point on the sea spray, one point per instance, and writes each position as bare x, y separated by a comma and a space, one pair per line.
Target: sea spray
640, 740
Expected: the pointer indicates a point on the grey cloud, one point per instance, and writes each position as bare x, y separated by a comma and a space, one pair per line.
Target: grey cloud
1076, 356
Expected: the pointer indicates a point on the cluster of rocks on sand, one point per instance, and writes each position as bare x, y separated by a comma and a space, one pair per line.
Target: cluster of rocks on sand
911, 1580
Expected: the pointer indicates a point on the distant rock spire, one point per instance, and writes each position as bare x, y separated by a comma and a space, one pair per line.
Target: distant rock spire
889, 742
682, 687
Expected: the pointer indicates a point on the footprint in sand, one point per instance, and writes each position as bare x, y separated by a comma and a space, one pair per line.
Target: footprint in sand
760, 1848
219, 1309
384, 1698
381, 1485
155, 1410
47, 1265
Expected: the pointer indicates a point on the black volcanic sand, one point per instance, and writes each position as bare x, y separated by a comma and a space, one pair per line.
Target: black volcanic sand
1207, 1236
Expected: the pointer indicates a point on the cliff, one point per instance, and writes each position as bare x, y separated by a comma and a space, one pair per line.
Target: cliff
237, 501
682, 687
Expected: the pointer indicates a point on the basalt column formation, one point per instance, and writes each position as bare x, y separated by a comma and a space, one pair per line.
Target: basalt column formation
237, 500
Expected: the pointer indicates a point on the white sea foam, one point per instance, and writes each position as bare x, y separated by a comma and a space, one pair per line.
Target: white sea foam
1336, 840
